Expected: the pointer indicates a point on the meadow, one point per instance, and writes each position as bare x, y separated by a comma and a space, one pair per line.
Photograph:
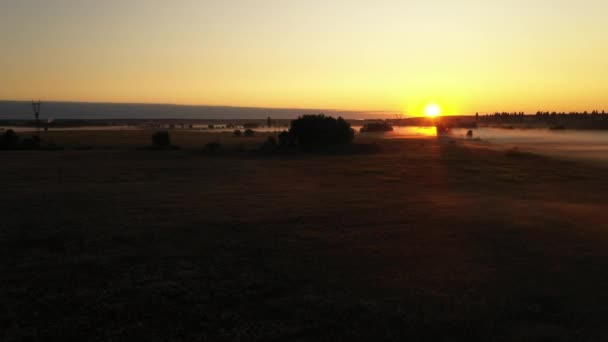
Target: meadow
426, 239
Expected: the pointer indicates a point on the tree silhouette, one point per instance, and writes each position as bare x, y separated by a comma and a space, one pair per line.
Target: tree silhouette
319, 131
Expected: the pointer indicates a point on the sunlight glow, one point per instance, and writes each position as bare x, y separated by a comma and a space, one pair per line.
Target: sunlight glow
432, 110
358, 57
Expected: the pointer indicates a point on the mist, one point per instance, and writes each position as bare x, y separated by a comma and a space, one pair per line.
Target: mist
589, 145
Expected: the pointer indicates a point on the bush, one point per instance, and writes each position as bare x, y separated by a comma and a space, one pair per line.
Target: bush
9, 140
237, 133
377, 127
249, 132
320, 131
286, 140
161, 140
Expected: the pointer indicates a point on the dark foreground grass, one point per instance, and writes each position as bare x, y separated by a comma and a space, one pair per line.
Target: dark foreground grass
136, 138
426, 241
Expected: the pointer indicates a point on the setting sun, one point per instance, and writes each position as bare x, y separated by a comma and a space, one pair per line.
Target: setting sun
432, 110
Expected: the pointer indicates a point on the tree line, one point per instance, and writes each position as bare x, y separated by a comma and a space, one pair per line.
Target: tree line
543, 116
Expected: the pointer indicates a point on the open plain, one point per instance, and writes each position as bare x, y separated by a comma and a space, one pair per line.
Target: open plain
424, 239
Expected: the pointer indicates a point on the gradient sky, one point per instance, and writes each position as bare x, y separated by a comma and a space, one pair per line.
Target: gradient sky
466, 55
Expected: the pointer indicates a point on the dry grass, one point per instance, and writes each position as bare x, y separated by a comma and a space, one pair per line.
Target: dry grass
427, 240
128, 139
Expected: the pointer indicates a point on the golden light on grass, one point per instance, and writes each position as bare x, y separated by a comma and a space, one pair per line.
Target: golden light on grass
432, 110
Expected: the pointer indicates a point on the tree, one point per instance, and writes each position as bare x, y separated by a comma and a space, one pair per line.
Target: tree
320, 131
269, 122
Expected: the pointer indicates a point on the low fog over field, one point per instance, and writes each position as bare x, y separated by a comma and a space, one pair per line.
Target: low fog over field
571, 144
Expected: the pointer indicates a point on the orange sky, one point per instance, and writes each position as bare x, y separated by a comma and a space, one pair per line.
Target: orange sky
465, 55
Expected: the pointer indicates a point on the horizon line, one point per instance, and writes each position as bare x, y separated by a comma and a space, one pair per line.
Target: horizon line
204, 105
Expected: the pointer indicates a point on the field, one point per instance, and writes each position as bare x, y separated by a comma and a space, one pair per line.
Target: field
426, 240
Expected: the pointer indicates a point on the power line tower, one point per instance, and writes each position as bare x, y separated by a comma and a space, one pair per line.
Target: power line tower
36, 108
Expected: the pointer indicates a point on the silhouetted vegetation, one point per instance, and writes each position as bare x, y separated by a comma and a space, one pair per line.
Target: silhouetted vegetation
237, 133
312, 132
161, 140
561, 120
9, 140
249, 132
377, 127
442, 129
595, 119
286, 140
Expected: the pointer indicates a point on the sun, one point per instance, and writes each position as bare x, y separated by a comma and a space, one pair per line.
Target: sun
432, 110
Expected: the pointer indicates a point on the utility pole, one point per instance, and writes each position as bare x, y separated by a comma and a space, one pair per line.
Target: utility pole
36, 108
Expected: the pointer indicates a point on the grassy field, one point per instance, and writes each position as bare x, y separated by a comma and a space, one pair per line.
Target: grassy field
134, 138
427, 240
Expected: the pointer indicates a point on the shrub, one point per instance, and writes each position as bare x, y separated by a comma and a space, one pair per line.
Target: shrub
161, 140
286, 140
249, 132
9, 140
320, 131
237, 133
377, 127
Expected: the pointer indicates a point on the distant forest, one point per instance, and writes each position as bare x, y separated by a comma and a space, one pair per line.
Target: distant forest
594, 119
